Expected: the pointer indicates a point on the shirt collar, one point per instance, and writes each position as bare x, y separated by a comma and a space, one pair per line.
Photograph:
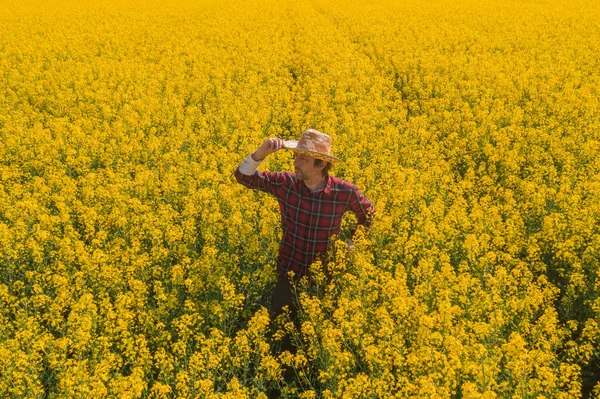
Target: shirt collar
326, 190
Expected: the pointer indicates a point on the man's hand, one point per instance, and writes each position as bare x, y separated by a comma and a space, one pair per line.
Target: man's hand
350, 246
269, 146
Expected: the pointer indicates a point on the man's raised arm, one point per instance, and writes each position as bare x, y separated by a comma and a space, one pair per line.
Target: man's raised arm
246, 173
250, 164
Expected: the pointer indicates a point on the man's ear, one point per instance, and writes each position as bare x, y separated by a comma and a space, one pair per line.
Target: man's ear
318, 163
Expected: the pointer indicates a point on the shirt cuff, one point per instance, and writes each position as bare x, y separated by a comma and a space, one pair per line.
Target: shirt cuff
249, 166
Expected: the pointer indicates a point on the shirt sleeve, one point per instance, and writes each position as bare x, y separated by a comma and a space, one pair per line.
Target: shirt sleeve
269, 182
362, 208
249, 166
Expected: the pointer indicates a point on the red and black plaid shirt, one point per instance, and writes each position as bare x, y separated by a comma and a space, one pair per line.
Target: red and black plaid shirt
308, 219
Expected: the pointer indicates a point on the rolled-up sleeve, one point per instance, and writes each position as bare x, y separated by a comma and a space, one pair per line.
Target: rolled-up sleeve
269, 182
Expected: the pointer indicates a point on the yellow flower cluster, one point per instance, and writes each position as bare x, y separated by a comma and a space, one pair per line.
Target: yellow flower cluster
132, 265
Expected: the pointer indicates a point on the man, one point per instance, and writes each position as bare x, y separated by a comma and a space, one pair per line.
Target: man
311, 202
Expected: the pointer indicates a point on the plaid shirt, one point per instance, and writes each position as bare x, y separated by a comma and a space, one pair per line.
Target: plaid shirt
308, 219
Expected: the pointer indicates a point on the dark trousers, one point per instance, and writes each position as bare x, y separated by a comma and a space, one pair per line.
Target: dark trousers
283, 295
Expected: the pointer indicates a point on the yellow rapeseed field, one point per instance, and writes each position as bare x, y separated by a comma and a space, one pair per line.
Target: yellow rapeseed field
132, 264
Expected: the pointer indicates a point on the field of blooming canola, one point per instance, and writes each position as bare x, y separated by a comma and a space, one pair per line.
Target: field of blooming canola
132, 265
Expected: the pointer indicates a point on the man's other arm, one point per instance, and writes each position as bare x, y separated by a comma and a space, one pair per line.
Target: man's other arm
363, 209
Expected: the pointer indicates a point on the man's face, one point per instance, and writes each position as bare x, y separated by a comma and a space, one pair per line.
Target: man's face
305, 168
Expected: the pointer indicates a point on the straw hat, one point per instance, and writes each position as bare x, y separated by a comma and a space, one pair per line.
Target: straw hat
313, 144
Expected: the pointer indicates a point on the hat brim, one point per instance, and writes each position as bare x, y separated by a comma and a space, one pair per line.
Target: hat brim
293, 145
